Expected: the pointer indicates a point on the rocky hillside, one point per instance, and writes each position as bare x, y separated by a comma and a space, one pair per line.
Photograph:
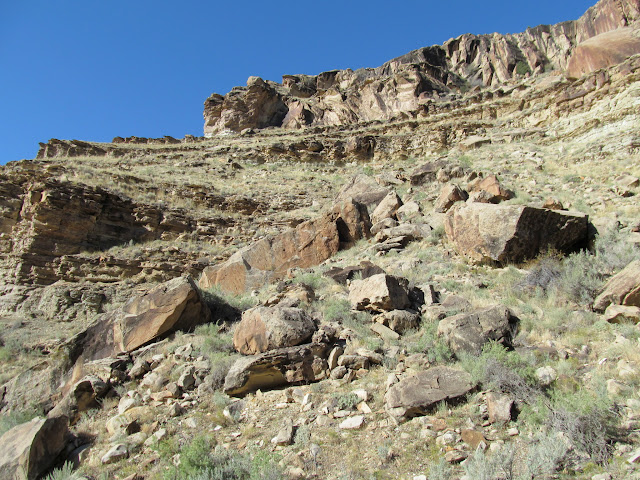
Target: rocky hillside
424, 270
407, 86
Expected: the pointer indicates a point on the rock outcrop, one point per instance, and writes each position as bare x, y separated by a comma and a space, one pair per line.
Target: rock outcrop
171, 306
406, 85
485, 233
309, 244
268, 328
29, 449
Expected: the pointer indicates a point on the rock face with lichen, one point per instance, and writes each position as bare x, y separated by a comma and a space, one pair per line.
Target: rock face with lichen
407, 85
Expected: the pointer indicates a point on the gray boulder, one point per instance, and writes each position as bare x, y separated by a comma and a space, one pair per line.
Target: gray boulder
468, 332
421, 393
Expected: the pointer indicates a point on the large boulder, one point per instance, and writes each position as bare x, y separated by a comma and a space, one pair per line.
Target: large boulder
387, 208
307, 245
363, 189
166, 308
621, 289
486, 233
379, 293
468, 332
421, 393
268, 328
293, 365
30, 449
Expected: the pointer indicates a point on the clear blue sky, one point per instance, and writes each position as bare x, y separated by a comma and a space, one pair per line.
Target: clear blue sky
92, 70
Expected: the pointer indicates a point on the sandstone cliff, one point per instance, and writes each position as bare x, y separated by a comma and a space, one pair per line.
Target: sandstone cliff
404, 86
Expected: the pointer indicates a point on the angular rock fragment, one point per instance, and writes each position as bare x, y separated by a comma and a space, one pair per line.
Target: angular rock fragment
420, 393
309, 244
379, 293
449, 195
468, 332
29, 449
486, 233
621, 289
276, 368
171, 306
268, 328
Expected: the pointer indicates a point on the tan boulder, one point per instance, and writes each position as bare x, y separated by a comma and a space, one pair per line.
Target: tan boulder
293, 365
363, 189
28, 450
166, 308
387, 208
449, 195
421, 393
621, 289
268, 328
378, 293
307, 245
491, 185
622, 313
486, 233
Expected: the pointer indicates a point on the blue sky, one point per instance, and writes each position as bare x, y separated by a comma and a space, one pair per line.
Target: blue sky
93, 70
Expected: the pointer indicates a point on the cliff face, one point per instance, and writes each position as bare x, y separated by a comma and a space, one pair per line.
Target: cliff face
401, 87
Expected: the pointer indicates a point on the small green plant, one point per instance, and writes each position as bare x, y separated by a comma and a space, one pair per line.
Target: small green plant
302, 437
346, 401
64, 473
522, 68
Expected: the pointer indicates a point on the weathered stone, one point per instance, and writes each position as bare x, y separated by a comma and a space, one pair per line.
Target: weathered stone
408, 211
411, 232
171, 306
379, 293
285, 435
546, 375
449, 195
418, 394
512, 233
268, 328
425, 173
621, 289
387, 208
491, 185
363, 189
622, 313
88, 391
468, 332
116, 453
309, 244
352, 423
499, 407
366, 269
333, 357
399, 320
29, 449
384, 332
274, 369
354, 362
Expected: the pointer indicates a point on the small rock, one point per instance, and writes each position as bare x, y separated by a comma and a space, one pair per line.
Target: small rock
285, 435
546, 375
352, 423
512, 432
115, 453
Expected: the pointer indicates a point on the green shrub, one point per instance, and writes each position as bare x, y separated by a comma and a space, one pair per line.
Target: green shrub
522, 68
346, 401
427, 341
201, 460
64, 473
